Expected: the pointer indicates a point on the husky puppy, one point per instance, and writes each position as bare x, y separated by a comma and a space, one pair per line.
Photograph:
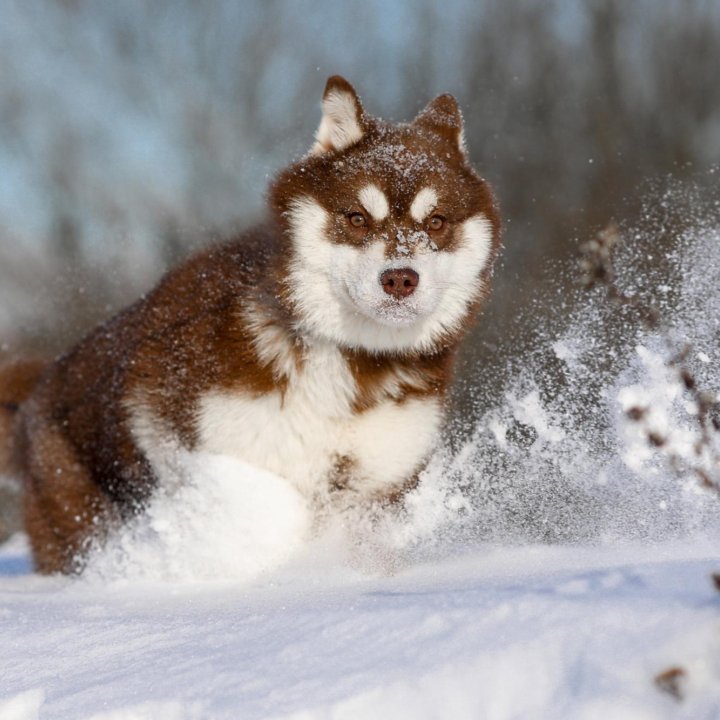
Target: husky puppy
319, 346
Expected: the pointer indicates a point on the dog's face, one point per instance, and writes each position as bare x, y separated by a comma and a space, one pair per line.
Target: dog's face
391, 233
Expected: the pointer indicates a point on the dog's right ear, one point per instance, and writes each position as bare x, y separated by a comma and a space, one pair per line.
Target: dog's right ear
342, 123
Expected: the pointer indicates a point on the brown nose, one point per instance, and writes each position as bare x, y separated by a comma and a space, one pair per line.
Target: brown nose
399, 282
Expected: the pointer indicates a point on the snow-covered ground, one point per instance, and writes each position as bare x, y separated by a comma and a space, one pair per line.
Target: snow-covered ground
550, 565
524, 632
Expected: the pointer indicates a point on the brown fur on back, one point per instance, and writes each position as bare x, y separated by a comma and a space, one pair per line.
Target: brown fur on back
74, 434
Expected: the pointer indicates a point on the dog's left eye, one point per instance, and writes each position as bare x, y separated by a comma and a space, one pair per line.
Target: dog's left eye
436, 222
357, 220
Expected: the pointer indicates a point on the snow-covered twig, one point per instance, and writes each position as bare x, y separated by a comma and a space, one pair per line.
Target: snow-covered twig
598, 269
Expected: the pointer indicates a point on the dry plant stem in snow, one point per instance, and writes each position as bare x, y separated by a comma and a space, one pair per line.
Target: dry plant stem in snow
671, 681
598, 269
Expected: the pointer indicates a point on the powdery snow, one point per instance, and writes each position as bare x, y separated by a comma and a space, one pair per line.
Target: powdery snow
229, 520
525, 632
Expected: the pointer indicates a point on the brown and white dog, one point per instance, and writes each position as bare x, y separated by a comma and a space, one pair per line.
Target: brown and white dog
318, 347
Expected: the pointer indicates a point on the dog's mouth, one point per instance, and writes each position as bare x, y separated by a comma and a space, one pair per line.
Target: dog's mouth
387, 311
396, 312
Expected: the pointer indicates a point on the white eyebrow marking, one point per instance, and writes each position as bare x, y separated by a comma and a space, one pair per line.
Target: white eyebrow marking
423, 204
374, 201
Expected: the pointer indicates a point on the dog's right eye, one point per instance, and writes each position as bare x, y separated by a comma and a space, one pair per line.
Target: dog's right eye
357, 220
437, 222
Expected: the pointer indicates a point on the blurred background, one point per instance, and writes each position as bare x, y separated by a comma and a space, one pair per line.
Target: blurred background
132, 133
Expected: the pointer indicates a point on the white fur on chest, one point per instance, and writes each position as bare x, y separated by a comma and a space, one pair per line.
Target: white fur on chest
301, 434
291, 433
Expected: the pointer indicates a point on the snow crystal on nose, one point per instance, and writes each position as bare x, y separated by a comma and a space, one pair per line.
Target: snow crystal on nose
407, 241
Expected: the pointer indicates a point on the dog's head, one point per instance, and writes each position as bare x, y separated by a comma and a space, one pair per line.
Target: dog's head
391, 233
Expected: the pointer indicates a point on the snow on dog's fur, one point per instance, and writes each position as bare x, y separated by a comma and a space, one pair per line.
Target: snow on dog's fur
318, 347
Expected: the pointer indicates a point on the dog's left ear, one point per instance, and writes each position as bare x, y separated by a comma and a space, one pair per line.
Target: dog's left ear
342, 123
443, 117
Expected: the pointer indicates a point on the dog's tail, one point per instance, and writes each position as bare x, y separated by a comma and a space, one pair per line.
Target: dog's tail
17, 381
